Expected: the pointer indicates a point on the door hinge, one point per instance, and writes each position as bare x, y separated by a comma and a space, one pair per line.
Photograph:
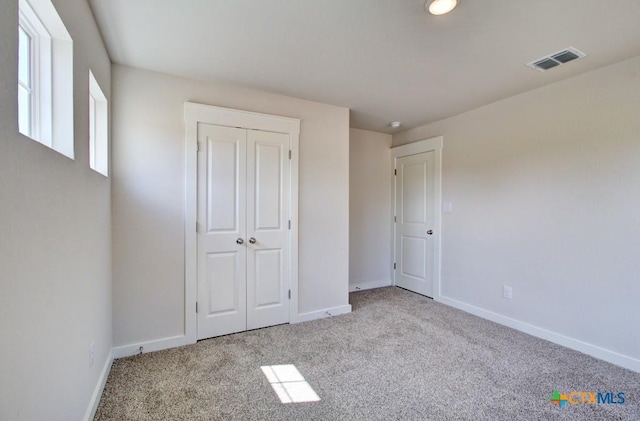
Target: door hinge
289, 153
395, 219
289, 294
197, 227
289, 223
196, 306
197, 146
394, 266
395, 172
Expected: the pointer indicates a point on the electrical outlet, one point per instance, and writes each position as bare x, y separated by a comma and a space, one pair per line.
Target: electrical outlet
507, 292
92, 354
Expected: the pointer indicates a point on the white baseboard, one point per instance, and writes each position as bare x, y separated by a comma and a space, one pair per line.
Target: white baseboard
97, 393
575, 344
369, 285
321, 314
150, 346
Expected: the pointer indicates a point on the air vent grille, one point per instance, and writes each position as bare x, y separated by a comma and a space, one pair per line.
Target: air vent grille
546, 64
565, 56
556, 59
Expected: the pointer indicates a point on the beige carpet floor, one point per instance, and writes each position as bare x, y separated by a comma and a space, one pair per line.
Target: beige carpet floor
398, 356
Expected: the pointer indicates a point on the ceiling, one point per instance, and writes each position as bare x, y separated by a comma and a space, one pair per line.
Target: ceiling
386, 60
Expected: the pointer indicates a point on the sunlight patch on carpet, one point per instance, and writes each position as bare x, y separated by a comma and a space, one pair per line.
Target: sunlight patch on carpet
289, 384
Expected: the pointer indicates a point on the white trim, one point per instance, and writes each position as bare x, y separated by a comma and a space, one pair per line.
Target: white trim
361, 286
98, 128
557, 338
52, 97
190, 234
426, 145
293, 194
321, 314
432, 144
47, 13
150, 346
39, 73
199, 113
97, 393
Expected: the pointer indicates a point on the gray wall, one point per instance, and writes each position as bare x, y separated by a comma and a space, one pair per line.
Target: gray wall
545, 188
55, 246
369, 208
149, 197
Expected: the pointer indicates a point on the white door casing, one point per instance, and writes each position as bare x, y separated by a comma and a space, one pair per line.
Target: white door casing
274, 256
416, 211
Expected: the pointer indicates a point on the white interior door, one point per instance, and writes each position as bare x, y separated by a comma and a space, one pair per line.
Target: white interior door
243, 237
221, 232
267, 229
414, 229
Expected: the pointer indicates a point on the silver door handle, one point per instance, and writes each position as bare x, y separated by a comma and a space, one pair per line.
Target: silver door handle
252, 240
240, 241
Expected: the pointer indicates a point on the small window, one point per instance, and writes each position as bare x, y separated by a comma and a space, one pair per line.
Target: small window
98, 128
45, 76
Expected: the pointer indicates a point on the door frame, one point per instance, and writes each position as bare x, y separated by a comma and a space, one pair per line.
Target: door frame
427, 145
195, 114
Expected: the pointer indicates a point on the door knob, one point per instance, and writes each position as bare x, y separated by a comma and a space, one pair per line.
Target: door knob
430, 232
252, 240
240, 241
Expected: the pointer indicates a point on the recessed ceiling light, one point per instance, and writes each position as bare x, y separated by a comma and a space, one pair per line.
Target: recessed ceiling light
395, 124
440, 7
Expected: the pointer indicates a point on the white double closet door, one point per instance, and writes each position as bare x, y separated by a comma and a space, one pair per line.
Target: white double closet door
243, 239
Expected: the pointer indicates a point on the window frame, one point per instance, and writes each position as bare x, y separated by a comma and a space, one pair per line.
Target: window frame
92, 131
51, 72
98, 127
25, 25
26, 86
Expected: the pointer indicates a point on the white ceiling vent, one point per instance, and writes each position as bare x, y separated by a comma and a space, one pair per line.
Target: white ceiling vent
556, 59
